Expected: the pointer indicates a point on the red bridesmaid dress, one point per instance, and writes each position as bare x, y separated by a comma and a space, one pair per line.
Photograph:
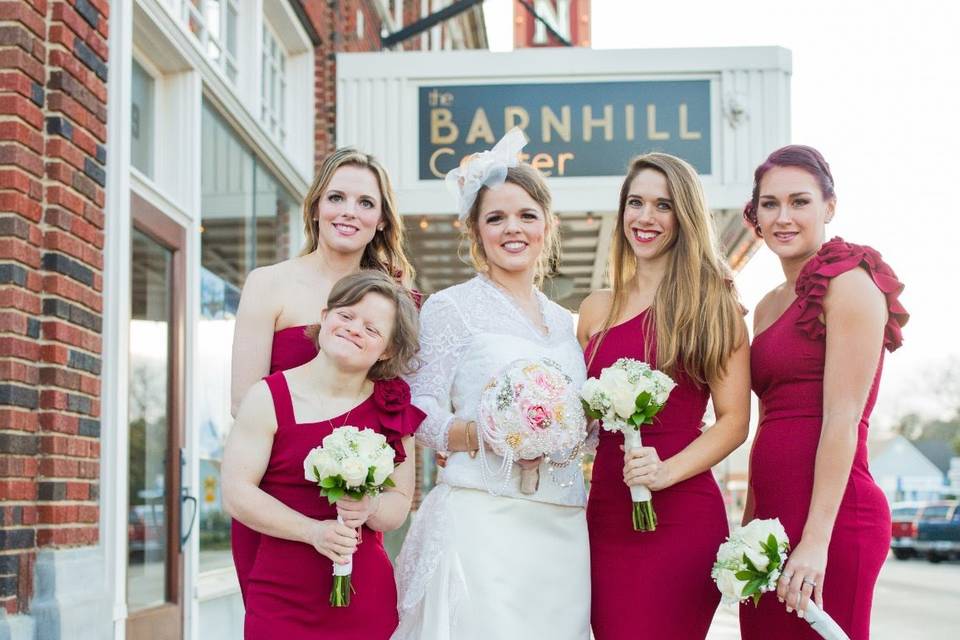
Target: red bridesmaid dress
786, 362
288, 585
291, 348
652, 584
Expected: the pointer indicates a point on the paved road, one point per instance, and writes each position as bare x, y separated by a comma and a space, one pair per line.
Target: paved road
914, 599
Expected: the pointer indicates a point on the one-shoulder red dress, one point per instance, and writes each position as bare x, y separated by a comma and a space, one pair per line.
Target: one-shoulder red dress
652, 584
288, 586
787, 363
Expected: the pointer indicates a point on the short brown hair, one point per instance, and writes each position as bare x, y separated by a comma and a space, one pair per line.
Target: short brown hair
405, 336
531, 181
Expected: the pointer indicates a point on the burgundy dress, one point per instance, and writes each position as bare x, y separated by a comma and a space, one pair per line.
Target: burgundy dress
786, 362
288, 587
291, 348
652, 584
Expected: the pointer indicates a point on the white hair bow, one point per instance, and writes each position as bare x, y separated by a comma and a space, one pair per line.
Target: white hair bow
485, 169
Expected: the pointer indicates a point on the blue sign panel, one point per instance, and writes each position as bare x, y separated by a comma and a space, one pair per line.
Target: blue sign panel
575, 129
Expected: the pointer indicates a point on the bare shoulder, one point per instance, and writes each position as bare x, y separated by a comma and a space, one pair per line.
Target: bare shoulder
593, 311
853, 291
256, 413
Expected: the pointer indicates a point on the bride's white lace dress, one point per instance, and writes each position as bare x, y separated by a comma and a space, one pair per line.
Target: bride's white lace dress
475, 565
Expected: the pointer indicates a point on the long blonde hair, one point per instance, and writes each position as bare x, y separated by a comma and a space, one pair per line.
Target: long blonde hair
695, 313
533, 182
385, 252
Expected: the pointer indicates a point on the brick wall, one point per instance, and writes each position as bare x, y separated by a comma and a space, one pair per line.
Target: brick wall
53, 71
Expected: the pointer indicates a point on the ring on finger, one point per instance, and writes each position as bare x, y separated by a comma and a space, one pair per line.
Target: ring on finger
787, 576
807, 580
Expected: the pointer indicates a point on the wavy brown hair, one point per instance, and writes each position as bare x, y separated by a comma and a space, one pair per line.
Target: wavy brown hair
533, 182
695, 313
405, 334
385, 252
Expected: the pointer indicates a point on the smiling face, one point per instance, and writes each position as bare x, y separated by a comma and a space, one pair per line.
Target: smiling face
649, 221
357, 336
349, 211
792, 212
512, 227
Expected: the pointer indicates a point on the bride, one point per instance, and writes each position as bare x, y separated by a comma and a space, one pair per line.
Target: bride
481, 562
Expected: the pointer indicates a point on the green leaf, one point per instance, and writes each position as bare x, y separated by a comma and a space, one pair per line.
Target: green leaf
750, 565
642, 400
756, 598
334, 494
328, 483
745, 575
370, 473
753, 586
389, 482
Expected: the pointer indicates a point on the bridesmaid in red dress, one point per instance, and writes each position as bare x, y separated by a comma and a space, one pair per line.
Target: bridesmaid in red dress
368, 337
351, 222
672, 305
816, 360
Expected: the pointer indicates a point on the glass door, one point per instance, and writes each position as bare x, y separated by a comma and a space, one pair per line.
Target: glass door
155, 426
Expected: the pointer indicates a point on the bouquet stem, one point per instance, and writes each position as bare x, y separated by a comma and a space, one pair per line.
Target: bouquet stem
529, 481
644, 517
822, 623
340, 593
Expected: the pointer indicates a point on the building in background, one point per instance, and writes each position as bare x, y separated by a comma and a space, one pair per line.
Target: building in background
904, 471
152, 152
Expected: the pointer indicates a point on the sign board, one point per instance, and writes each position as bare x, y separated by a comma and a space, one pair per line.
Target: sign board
575, 129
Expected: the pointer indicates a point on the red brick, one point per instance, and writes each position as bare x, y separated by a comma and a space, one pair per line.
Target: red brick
69, 63
18, 180
57, 513
19, 12
17, 58
103, 6
18, 490
67, 536
84, 142
59, 148
90, 386
88, 513
64, 13
21, 204
89, 469
63, 378
98, 129
29, 515
17, 420
61, 172
16, 82
34, 281
13, 322
57, 101
16, 249
58, 468
13, 371
19, 348
54, 353
15, 155
59, 195
21, 132
78, 491
18, 467
95, 217
59, 241
59, 331
14, 105
59, 422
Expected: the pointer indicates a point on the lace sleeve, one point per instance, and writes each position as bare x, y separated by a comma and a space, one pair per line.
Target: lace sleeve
443, 337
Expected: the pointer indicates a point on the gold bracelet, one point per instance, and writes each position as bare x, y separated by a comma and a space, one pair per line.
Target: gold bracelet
475, 435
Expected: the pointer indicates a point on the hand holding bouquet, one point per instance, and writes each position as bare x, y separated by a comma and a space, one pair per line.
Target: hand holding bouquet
749, 564
531, 410
627, 395
351, 462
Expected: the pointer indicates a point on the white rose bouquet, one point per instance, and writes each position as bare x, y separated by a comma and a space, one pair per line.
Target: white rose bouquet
749, 564
531, 409
351, 462
627, 395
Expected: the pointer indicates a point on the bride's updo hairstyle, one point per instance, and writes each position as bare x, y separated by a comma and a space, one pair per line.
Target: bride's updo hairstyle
533, 182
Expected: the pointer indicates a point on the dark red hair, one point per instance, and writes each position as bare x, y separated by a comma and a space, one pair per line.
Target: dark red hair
793, 155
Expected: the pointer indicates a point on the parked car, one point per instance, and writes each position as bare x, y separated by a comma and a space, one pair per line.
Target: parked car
905, 515
938, 532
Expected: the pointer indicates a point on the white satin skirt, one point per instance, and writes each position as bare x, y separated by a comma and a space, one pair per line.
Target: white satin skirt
481, 567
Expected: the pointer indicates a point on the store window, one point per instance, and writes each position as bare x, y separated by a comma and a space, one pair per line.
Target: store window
245, 218
273, 86
142, 119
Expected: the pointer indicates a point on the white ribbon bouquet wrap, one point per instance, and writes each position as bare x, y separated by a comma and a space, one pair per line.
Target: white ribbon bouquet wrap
627, 395
531, 409
350, 462
485, 169
749, 564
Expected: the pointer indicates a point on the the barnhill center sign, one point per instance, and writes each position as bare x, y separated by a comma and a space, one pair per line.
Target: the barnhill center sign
575, 129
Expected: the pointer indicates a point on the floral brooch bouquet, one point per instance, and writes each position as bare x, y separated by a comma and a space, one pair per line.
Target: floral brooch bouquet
749, 564
529, 410
351, 462
627, 395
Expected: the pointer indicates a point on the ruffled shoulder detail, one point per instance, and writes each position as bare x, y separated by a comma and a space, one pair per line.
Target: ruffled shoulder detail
836, 257
398, 417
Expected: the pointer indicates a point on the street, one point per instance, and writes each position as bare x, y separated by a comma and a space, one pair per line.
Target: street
914, 599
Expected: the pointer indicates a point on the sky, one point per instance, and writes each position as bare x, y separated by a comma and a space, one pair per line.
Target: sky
876, 88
